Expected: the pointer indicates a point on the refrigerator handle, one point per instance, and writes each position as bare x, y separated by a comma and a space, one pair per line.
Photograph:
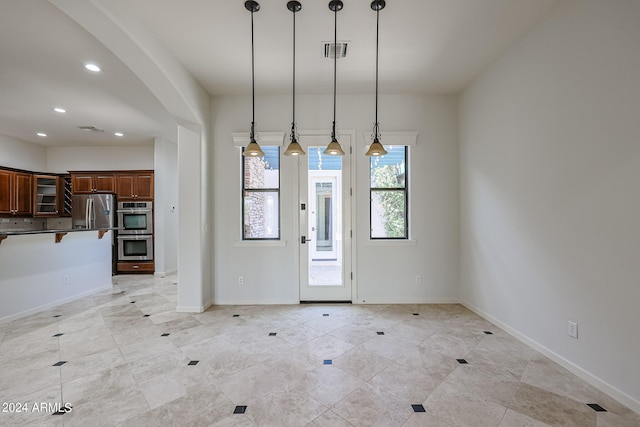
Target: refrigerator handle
92, 212
86, 213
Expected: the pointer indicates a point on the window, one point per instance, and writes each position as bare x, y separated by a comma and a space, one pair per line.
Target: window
261, 195
389, 195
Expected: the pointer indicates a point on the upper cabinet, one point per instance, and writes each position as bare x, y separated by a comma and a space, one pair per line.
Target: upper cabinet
93, 182
46, 197
136, 185
51, 195
16, 189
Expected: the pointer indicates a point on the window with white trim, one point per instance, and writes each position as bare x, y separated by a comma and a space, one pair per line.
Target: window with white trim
389, 197
261, 195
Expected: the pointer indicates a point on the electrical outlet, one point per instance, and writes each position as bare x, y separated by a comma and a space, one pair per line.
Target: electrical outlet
572, 329
241, 280
418, 280
65, 280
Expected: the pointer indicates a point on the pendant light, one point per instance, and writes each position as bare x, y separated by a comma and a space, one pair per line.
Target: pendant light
253, 149
334, 148
294, 148
376, 148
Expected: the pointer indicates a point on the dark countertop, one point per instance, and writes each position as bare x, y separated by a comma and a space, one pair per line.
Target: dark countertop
68, 230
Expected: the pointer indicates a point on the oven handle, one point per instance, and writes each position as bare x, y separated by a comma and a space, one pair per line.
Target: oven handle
136, 237
133, 211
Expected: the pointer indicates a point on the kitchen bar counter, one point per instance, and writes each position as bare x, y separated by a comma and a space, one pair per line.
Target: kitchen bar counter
59, 232
38, 274
66, 230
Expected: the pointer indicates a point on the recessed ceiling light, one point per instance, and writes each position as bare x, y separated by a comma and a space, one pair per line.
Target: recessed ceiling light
59, 110
119, 134
41, 134
92, 67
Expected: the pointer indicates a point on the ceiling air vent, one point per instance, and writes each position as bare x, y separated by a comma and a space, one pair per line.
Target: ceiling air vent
330, 50
90, 129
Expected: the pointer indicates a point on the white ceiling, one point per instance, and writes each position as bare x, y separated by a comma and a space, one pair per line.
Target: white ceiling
426, 46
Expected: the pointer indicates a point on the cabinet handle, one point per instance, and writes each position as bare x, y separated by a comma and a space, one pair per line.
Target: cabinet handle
136, 266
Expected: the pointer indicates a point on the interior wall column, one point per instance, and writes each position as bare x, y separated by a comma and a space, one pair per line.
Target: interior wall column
192, 234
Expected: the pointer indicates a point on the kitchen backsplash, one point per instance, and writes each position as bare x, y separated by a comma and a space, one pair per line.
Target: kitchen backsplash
32, 224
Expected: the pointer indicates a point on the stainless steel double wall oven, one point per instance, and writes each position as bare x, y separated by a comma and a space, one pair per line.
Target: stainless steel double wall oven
135, 231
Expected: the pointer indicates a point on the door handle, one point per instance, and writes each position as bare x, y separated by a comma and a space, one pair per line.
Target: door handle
303, 239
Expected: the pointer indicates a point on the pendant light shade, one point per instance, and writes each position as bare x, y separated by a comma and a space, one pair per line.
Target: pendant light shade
376, 148
253, 149
294, 148
334, 148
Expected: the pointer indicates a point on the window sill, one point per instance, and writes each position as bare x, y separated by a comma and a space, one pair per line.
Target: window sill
390, 242
260, 243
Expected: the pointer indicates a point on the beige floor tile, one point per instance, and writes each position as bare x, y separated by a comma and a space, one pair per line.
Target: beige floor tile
284, 408
298, 335
454, 406
147, 348
253, 382
149, 367
325, 324
516, 419
17, 383
329, 419
424, 419
327, 347
367, 406
552, 408
412, 386
162, 389
28, 408
361, 364
235, 420
119, 367
493, 386
79, 367
109, 410
80, 349
327, 384
550, 376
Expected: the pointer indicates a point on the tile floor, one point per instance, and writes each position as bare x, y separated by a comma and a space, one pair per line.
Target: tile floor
126, 357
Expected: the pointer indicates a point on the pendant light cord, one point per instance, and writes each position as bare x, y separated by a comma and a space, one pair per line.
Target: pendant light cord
253, 86
293, 123
376, 130
335, 67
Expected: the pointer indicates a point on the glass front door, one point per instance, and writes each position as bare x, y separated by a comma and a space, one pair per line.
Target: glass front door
325, 272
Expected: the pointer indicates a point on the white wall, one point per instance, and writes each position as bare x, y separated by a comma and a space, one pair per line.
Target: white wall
81, 256
63, 159
433, 198
22, 155
165, 207
550, 166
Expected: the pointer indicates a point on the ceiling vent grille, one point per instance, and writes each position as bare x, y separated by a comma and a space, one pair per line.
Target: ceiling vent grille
329, 49
90, 129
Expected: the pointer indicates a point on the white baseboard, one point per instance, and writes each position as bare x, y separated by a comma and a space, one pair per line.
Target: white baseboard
163, 274
407, 301
191, 309
52, 304
601, 385
256, 302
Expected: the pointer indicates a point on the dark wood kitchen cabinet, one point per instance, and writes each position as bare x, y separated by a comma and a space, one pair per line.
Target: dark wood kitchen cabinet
46, 195
136, 185
93, 182
16, 189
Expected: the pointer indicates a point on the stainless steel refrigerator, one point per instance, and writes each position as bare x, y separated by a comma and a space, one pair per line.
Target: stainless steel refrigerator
91, 211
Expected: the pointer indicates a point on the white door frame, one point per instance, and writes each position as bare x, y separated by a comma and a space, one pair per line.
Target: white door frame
348, 201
